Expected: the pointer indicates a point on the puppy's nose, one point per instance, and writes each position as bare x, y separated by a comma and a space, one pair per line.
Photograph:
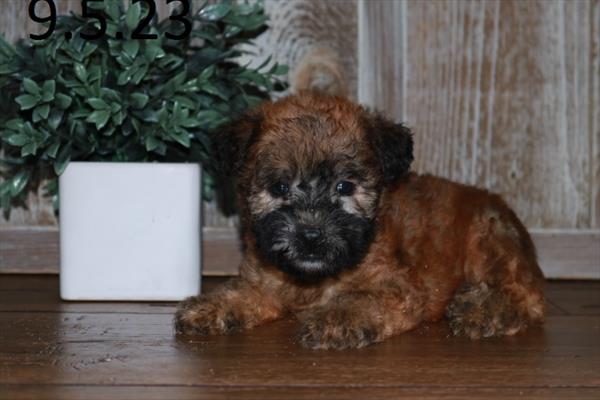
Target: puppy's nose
311, 233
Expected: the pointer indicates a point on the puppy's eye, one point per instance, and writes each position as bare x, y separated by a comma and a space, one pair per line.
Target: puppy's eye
280, 189
344, 188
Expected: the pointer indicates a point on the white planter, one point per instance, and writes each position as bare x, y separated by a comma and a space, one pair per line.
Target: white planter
129, 231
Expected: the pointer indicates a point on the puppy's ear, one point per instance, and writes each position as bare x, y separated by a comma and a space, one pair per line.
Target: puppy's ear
392, 145
232, 142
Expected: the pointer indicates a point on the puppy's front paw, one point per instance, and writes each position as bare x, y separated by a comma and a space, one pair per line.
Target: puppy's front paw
337, 329
198, 316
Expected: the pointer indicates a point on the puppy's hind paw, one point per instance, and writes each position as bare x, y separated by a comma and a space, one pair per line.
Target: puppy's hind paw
478, 311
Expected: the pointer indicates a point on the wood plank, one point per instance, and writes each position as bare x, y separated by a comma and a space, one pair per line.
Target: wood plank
29, 249
40, 293
36, 250
569, 254
498, 93
141, 349
575, 297
381, 56
573, 254
74, 392
123, 354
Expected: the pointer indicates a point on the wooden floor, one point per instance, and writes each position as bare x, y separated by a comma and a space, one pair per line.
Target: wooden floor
51, 349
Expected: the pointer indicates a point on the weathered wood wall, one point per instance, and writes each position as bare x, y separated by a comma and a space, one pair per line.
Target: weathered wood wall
501, 94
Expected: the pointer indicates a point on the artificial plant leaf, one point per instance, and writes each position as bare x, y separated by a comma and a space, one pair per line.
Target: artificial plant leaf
212, 89
44, 110
94, 74
99, 117
185, 101
147, 115
80, 72
88, 49
131, 47
138, 100
190, 123
152, 143
5, 187
53, 149
178, 113
80, 113
215, 12
136, 124
279, 69
62, 159
132, 17
115, 107
17, 139
248, 23
112, 10
15, 124
206, 116
207, 73
153, 50
181, 136
245, 9
55, 118
6, 49
40, 112
28, 149
31, 87
125, 76
109, 132
137, 77
18, 182
97, 103
27, 101
231, 31
110, 94
118, 118
48, 90
62, 101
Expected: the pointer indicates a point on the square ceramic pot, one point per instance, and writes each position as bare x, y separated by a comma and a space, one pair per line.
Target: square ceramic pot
129, 231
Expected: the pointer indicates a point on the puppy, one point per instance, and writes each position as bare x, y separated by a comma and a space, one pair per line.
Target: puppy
337, 231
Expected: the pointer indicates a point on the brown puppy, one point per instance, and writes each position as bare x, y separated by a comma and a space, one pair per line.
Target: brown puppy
338, 232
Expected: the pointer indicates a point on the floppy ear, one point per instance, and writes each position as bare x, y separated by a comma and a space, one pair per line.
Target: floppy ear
392, 145
232, 142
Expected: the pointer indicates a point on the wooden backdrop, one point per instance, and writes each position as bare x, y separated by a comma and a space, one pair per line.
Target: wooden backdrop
501, 94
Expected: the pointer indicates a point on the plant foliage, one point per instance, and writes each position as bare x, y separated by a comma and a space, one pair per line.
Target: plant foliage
124, 100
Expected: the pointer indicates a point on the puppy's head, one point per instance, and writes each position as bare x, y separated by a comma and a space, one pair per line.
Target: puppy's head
310, 170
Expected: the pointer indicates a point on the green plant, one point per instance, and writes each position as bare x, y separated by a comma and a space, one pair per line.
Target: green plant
124, 100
